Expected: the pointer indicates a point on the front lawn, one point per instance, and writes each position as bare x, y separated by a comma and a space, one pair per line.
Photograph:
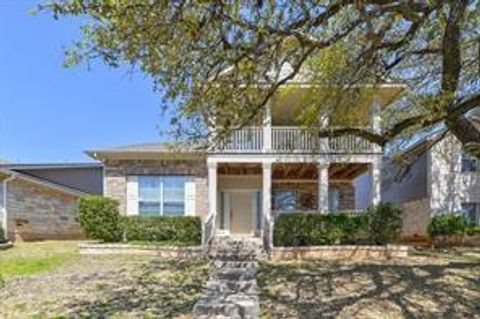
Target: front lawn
30, 258
432, 285
59, 283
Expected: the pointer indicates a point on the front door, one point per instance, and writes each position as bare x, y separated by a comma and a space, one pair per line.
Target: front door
241, 213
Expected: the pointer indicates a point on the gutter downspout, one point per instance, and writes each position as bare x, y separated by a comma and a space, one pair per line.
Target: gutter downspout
5, 219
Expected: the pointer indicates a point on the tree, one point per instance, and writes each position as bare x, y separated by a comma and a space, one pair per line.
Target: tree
222, 59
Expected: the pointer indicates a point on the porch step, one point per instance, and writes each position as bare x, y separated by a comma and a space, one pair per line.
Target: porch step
238, 305
231, 291
230, 287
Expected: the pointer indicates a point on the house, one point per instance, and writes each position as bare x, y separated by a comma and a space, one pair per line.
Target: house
437, 177
38, 201
240, 184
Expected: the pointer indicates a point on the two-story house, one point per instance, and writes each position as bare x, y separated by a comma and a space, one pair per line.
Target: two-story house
437, 177
240, 184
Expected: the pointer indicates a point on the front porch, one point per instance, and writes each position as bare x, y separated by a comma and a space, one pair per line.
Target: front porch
246, 197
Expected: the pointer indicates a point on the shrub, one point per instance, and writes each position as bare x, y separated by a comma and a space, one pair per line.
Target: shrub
186, 230
2, 235
384, 223
447, 225
304, 229
472, 230
100, 218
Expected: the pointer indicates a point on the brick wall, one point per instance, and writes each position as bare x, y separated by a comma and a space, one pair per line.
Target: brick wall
116, 173
40, 212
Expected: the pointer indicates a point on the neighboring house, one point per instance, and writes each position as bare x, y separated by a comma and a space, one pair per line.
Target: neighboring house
441, 179
240, 185
39, 201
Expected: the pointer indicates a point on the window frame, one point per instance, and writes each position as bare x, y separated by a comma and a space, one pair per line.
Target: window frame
468, 164
161, 200
466, 212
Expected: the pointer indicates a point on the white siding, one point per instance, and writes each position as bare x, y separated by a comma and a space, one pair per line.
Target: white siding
449, 186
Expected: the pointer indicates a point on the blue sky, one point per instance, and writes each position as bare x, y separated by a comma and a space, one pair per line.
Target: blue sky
49, 113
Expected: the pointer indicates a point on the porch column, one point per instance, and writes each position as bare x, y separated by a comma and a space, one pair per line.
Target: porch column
267, 128
322, 187
267, 207
375, 179
209, 224
323, 141
376, 120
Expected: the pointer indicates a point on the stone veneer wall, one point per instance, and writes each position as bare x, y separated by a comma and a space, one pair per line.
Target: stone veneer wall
416, 216
116, 173
307, 194
40, 212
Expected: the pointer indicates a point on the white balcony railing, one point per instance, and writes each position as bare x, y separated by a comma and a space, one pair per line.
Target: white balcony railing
246, 140
291, 139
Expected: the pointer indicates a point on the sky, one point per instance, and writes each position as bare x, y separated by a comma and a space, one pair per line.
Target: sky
49, 113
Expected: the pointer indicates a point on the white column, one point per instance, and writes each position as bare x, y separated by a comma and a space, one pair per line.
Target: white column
267, 207
376, 118
212, 188
209, 223
323, 141
375, 179
322, 187
267, 128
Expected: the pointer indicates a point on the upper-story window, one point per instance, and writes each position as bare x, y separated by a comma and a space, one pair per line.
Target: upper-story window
161, 195
469, 163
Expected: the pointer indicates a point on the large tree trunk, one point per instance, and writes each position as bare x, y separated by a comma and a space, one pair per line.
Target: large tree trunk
467, 133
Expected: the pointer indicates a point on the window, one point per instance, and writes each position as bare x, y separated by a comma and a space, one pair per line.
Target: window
333, 199
471, 212
284, 199
161, 195
469, 164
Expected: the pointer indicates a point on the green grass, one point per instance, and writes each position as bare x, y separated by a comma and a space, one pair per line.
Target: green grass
30, 258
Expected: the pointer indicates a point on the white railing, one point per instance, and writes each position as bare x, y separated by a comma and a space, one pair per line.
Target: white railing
349, 143
246, 140
291, 139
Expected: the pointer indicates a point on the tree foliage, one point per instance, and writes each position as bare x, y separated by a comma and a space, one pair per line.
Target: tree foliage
221, 61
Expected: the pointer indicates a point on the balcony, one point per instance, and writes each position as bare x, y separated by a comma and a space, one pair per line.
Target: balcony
285, 139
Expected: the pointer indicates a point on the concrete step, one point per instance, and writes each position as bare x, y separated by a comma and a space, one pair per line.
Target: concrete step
234, 274
237, 305
230, 287
235, 264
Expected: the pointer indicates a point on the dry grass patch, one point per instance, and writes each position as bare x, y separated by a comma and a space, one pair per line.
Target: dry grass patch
107, 287
438, 285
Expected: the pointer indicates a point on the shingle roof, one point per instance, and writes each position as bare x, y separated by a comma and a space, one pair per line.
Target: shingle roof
146, 150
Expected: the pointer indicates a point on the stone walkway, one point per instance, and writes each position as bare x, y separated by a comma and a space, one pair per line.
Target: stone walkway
231, 290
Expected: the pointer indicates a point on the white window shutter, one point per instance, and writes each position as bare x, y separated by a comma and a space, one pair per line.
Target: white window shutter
132, 195
190, 197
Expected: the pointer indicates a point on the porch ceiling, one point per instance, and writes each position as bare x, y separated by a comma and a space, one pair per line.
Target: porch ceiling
296, 171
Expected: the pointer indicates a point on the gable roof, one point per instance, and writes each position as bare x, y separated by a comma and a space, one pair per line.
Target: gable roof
73, 178
148, 151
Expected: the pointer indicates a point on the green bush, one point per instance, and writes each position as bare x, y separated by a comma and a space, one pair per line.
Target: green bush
100, 218
2, 235
185, 230
304, 229
472, 230
447, 225
380, 225
384, 223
